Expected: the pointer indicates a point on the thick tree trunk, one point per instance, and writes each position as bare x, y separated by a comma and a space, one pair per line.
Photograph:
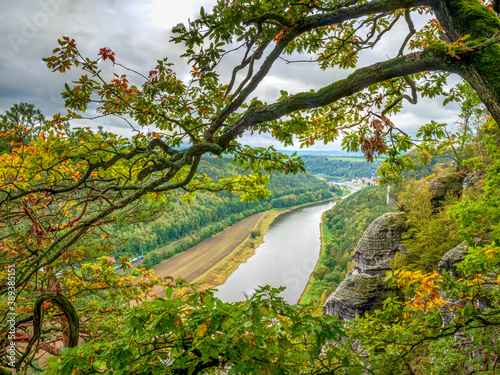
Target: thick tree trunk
480, 68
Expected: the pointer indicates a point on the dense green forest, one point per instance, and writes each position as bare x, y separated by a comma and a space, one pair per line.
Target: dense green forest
208, 213
345, 168
342, 227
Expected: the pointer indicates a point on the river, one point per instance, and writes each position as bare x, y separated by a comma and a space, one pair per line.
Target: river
286, 258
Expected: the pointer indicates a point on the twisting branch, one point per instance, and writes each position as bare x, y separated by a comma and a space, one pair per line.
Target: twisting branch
373, 29
254, 57
412, 99
245, 61
96, 166
70, 314
356, 82
64, 242
300, 27
387, 29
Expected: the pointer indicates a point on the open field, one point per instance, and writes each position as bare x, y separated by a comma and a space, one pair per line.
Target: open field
196, 261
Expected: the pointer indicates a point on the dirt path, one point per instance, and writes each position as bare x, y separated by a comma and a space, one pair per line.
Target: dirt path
196, 261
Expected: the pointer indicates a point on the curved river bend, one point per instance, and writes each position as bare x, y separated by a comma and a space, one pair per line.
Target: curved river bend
286, 258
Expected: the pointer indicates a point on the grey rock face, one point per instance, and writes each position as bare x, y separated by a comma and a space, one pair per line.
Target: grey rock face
379, 244
448, 263
470, 180
357, 294
440, 186
362, 290
451, 258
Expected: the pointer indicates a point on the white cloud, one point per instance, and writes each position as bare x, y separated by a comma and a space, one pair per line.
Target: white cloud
139, 33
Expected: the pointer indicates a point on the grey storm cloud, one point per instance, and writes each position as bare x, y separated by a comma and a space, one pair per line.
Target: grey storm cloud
30, 30
138, 31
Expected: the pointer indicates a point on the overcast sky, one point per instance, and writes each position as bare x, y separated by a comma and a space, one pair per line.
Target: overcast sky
138, 31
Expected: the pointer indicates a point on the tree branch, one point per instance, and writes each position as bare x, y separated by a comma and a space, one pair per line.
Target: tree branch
269, 16
356, 82
302, 26
412, 99
412, 31
68, 310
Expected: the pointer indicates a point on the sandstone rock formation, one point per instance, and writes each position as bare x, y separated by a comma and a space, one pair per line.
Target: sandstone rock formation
356, 295
379, 244
448, 263
440, 186
451, 258
362, 289
470, 180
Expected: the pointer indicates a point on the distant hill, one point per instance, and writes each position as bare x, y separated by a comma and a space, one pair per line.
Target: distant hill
346, 168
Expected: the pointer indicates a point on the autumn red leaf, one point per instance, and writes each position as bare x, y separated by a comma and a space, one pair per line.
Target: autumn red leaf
107, 53
278, 36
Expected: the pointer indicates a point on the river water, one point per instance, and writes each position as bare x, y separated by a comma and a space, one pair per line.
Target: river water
286, 258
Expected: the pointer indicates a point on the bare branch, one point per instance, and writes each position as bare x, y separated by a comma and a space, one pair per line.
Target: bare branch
411, 27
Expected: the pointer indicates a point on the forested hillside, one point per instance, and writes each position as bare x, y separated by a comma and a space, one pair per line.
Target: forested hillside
342, 227
446, 317
345, 168
209, 213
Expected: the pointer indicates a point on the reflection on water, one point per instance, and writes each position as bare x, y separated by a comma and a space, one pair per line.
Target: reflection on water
286, 258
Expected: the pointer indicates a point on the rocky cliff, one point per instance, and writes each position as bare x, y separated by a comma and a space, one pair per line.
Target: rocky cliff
362, 289
451, 258
440, 186
448, 264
